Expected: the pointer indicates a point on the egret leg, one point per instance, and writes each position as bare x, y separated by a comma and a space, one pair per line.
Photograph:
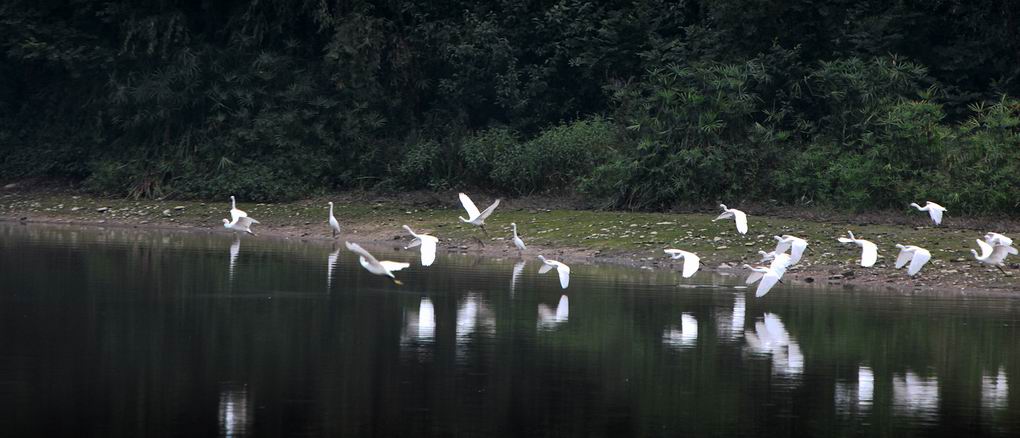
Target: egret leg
1001, 270
334, 234
483, 231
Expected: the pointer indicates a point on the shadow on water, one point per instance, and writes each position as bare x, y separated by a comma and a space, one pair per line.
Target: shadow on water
116, 332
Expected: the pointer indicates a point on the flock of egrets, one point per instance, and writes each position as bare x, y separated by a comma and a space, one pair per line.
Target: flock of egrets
788, 252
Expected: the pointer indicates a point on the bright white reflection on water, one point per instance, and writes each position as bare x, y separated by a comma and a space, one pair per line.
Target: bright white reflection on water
770, 337
855, 398
730, 323
686, 335
915, 396
548, 319
235, 411
420, 325
995, 390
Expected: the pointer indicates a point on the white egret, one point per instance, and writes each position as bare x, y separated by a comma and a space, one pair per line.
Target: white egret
385, 267
768, 276
991, 255
234, 211
517, 239
934, 210
475, 217
916, 255
766, 256
869, 251
333, 224
794, 244
691, 261
241, 224
738, 216
996, 239
561, 269
428, 246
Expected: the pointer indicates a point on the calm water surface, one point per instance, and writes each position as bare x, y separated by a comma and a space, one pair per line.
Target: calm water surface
116, 332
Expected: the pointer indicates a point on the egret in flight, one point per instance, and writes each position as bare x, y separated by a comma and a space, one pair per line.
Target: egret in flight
738, 216
796, 245
991, 255
934, 210
333, 224
428, 246
768, 276
385, 267
869, 252
561, 269
916, 255
691, 261
242, 224
517, 239
996, 239
475, 217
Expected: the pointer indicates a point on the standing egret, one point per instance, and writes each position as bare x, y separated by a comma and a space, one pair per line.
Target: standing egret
796, 245
475, 217
768, 276
242, 224
934, 210
428, 246
916, 255
333, 224
991, 255
691, 261
517, 239
869, 252
234, 211
996, 239
738, 216
374, 266
561, 269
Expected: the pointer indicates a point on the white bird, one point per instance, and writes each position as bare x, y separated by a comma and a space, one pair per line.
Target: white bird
916, 255
331, 265
766, 256
242, 224
333, 224
796, 245
561, 269
475, 217
691, 261
869, 251
428, 246
996, 239
934, 210
234, 211
738, 216
991, 255
768, 276
374, 266
517, 239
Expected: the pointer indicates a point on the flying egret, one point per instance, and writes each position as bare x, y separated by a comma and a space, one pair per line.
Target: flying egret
766, 256
517, 239
796, 245
428, 246
738, 216
561, 269
996, 239
991, 255
916, 255
333, 224
869, 252
374, 266
691, 261
768, 276
241, 224
234, 211
934, 210
475, 217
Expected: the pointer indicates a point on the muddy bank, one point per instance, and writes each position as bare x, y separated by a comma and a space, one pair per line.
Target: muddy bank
551, 228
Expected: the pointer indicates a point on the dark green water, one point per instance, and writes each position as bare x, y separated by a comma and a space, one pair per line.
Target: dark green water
117, 332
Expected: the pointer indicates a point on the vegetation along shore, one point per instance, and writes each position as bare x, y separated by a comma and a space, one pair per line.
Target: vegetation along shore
571, 234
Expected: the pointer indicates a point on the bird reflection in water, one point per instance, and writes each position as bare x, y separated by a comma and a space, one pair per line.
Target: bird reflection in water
731, 324
915, 396
548, 320
856, 398
235, 410
330, 266
472, 317
420, 325
235, 249
995, 390
770, 337
686, 336
516, 276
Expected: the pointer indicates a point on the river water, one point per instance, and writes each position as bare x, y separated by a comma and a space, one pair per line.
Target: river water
120, 332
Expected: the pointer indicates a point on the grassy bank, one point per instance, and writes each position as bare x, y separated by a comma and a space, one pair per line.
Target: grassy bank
631, 238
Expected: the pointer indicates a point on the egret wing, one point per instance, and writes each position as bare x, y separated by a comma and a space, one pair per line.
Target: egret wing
691, 264
869, 253
799, 246
472, 211
245, 221
782, 245
674, 253
753, 277
986, 249
545, 268
936, 215
905, 255
393, 266
488, 211
724, 215
767, 281
741, 219
413, 243
564, 272
357, 249
921, 256
428, 250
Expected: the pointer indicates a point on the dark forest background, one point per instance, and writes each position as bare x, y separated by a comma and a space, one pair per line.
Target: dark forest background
856, 104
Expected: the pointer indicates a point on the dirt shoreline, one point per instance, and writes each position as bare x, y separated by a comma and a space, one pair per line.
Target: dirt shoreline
379, 224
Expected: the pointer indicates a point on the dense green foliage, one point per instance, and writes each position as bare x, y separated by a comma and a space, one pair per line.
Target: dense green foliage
859, 104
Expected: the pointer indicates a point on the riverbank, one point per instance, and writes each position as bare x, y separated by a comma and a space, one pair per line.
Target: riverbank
555, 228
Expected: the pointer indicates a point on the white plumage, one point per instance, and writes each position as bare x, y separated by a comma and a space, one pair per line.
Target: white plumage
475, 217
794, 244
738, 216
691, 261
385, 267
242, 224
561, 269
916, 255
517, 239
333, 223
934, 211
428, 246
869, 251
